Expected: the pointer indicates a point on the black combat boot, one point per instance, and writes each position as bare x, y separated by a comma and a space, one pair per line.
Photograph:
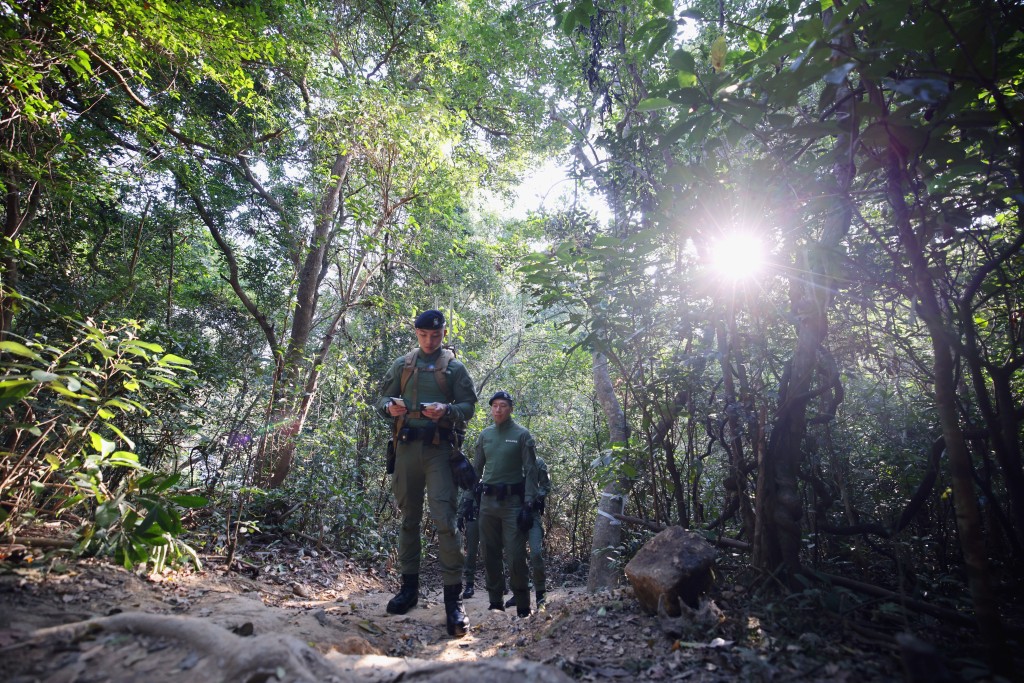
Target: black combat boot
469, 592
522, 604
511, 602
455, 617
541, 600
407, 597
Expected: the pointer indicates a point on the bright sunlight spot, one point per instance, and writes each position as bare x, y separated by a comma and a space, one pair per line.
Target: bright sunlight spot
740, 256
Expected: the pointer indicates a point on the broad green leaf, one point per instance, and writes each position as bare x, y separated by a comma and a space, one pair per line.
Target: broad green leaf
151, 518
839, 74
63, 391
169, 482
172, 359
104, 351
13, 390
149, 346
189, 501
100, 444
663, 6
682, 60
690, 97
125, 459
686, 79
19, 350
135, 351
106, 515
654, 103
113, 428
663, 36
118, 403
927, 90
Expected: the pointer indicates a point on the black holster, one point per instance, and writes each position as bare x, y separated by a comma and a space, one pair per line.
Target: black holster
389, 465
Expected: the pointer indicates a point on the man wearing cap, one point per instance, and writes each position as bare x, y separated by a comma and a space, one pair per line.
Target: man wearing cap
429, 396
507, 458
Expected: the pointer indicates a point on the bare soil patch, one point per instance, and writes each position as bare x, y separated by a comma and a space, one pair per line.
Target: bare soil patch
308, 615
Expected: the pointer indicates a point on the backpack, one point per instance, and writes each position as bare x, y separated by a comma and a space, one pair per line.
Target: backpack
409, 369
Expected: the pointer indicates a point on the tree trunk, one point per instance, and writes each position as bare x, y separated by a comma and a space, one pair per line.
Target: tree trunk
736, 496
607, 529
968, 515
299, 380
1000, 417
777, 533
15, 219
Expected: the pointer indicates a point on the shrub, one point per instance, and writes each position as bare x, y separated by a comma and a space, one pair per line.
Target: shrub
63, 447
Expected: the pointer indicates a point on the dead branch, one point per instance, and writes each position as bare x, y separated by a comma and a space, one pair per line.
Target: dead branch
877, 591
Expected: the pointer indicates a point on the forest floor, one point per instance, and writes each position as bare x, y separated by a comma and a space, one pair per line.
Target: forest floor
334, 610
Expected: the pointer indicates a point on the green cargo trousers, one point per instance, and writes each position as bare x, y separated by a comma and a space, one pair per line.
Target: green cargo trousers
419, 467
500, 535
536, 538
472, 547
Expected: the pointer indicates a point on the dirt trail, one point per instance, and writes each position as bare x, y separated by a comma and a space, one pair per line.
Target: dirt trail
337, 617
304, 616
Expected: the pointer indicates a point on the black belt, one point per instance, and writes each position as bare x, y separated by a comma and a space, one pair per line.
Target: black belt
500, 491
410, 434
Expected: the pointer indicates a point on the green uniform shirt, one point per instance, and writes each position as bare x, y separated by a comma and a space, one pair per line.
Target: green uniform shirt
506, 454
426, 390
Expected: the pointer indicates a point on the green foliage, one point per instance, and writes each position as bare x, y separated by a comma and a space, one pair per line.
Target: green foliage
67, 398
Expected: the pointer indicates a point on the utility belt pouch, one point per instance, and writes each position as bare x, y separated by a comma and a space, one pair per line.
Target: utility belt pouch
389, 463
429, 434
502, 491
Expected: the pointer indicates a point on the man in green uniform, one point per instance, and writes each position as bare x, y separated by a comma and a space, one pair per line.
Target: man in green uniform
507, 458
429, 396
536, 537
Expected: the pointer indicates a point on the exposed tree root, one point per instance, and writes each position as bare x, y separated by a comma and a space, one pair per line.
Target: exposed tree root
224, 656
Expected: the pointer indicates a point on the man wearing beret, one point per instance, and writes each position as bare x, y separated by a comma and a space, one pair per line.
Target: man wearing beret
507, 458
429, 396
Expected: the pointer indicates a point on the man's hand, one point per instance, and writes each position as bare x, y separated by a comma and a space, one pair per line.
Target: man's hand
397, 407
467, 513
435, 411
524, 520
463, 472
467, 510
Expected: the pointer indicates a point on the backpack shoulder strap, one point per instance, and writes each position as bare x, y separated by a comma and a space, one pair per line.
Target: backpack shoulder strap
408, 368
440, 370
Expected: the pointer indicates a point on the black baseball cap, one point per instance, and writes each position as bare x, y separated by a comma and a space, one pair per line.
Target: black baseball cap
501, 396
430, 320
